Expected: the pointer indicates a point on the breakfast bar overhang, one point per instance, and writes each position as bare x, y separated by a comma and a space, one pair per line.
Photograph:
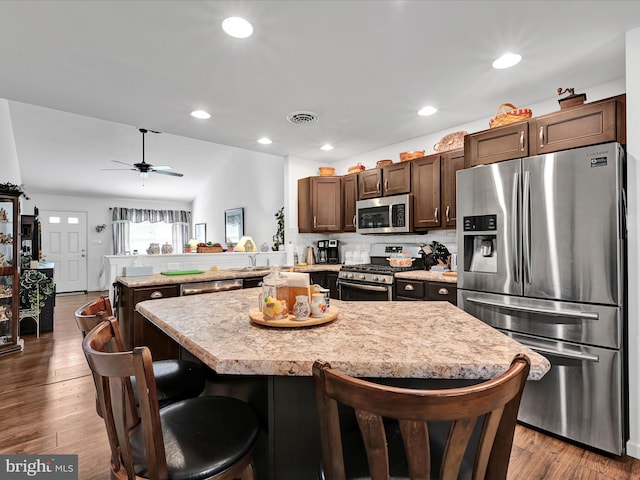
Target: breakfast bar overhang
416, 344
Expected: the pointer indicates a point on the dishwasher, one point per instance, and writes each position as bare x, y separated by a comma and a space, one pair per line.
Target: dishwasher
210, 286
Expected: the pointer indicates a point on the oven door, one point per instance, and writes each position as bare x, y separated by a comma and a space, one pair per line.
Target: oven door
354, 291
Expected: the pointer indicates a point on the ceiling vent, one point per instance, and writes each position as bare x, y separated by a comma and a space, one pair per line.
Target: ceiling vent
302, 118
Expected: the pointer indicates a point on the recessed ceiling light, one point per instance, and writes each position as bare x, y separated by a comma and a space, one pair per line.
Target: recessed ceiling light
201, 114
265, 141
237, 27
426, 111
507, 60
326, 147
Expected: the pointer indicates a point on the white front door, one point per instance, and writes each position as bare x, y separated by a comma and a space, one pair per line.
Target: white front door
64, 242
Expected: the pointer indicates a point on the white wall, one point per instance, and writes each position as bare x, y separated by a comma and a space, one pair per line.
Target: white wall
9, 167
247, 179
633, 228
97, 209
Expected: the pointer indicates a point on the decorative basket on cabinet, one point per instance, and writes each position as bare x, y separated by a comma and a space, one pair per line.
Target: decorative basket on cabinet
507, 114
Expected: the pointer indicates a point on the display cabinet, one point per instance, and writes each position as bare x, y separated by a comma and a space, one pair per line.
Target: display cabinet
9, 272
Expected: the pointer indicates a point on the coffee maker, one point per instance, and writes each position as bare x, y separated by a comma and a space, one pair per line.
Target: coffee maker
323, 251
333, 251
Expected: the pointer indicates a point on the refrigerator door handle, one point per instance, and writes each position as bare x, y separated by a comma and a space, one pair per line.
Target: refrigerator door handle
526, 228
545, 311
515, 201
585, 357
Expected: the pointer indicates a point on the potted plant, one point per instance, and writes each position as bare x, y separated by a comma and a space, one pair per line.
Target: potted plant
278, 238
35, 288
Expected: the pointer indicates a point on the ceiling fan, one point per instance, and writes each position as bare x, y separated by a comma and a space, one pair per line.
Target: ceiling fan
143, 167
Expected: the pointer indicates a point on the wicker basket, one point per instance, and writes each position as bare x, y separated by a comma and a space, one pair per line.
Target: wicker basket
405, 156
217, 249
356, 168
326, 171
382, 163
452, 141
507, 114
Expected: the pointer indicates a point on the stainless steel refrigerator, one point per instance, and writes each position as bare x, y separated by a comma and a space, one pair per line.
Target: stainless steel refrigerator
542, 257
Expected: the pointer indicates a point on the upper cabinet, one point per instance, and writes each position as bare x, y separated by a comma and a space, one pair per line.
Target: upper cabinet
450, 163
349, 199
9, 273
394, 179
320, 204
425, 186
496, 144
589, 124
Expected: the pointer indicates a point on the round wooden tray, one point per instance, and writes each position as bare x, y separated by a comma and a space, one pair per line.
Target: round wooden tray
256, 316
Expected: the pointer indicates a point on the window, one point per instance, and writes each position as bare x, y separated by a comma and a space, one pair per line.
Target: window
144, 233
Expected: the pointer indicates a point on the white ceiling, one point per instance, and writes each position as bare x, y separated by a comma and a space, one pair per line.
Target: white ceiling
365, 67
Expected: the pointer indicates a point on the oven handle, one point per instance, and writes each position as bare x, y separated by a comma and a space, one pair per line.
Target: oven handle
558, 353
546, 311
359, 286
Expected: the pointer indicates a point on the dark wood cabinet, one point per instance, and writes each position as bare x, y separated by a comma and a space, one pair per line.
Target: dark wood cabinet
136, 329
394, 179
320, 204
332, 285
349, 199
588, 124
496, 144
450, 163
425, 186
425, 290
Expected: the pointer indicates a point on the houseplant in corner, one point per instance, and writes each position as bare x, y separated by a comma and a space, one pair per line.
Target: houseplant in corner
35, 288
278, 238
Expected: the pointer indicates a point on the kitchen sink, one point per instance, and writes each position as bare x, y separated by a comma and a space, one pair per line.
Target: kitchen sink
250, 269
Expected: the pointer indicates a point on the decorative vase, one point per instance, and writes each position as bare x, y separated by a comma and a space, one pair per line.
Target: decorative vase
301, 308
167, 248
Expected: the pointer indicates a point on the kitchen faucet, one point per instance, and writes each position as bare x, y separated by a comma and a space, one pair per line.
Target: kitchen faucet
253, 259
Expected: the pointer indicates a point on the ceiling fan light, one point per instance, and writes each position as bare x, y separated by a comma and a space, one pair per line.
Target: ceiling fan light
237, 27
201, 115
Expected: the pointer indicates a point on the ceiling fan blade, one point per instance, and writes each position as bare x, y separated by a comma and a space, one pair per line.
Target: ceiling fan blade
165, 172
123, 163
119, 169
162, 167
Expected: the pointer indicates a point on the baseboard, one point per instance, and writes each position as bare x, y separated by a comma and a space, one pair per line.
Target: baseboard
633, 449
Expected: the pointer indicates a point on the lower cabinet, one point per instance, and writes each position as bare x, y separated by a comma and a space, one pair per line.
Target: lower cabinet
327, 280
136, 329
424, 290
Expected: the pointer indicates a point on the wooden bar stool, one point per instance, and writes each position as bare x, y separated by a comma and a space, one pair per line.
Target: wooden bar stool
175, 379
397, 428
207, 437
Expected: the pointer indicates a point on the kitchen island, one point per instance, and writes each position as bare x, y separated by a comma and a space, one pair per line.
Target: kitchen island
403, 343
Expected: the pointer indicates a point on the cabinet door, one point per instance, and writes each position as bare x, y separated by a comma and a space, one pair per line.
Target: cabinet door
9, 273
326, 204
349, 198
450, 164
304, 206
426, 192
440, 291
396, 178
332, 285
142, 333
497, 144
409, 290
588, 124
370, 183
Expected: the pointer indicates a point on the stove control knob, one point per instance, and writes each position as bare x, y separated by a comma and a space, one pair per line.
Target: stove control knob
375, 278
363, 276
349, 275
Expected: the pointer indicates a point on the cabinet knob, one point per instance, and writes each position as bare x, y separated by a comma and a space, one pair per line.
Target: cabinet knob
409, 288
315, 221
522, 140
541, 136
443, 291
446, 214
435, 214
386, 185
354, 221
156, 294
378, 187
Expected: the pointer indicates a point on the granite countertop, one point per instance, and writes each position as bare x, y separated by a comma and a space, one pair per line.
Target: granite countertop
368, 339
428, 275
211, 275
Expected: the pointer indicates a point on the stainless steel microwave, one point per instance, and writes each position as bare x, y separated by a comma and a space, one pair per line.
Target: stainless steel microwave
385, 214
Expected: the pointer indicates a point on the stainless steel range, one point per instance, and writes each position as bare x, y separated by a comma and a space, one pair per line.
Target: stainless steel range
375, 281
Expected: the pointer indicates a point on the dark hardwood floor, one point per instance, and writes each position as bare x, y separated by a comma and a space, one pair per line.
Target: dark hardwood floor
47, 405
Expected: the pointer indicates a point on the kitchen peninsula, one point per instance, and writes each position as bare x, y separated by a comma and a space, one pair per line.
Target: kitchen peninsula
405, 343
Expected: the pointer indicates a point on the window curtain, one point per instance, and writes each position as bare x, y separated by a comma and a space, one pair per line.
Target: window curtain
121, 219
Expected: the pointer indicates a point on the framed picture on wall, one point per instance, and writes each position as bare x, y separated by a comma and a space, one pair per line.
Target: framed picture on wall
201, 232
233, 225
